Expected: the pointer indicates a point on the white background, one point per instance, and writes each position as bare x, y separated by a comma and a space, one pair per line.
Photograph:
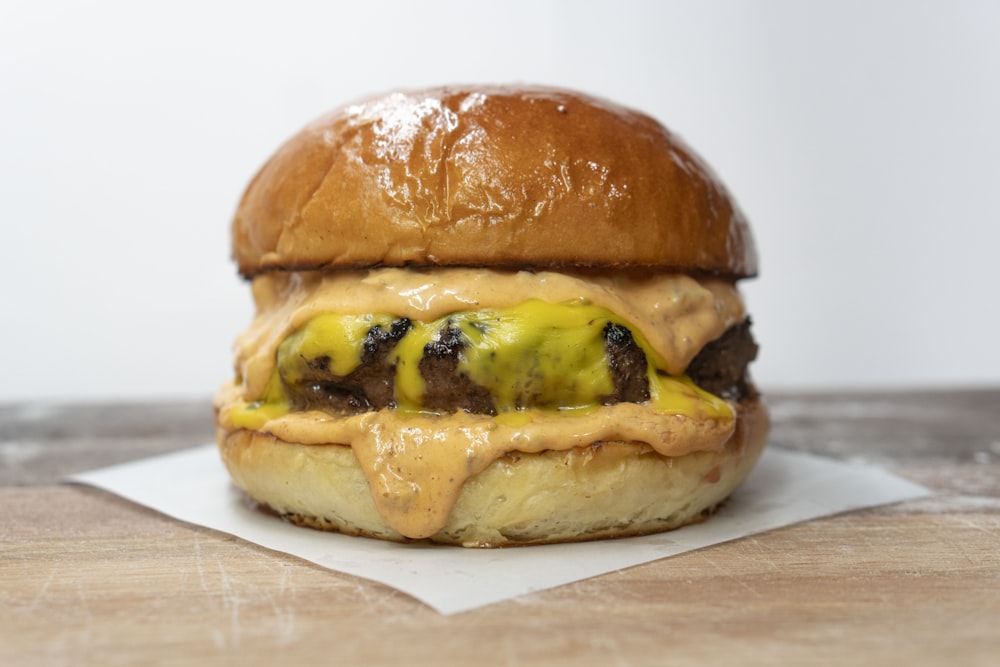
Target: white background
861, 138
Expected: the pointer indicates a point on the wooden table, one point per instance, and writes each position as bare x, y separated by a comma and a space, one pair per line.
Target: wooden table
89, 578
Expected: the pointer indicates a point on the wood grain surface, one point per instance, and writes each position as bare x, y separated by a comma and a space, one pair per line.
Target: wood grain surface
89, 578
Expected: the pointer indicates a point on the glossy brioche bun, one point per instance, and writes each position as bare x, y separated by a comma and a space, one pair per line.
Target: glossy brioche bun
610, 489
489, 176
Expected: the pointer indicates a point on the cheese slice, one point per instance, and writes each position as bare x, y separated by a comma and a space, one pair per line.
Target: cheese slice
676, 314
535, 354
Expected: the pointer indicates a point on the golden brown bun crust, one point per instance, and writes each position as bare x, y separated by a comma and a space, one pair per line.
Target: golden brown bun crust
489, 176
610, 489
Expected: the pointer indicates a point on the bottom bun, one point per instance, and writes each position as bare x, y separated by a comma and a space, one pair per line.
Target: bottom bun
608, 489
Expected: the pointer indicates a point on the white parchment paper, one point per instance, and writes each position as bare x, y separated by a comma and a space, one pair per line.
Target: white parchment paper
784, 489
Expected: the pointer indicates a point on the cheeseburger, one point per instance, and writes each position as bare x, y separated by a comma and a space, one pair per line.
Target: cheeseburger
491, 316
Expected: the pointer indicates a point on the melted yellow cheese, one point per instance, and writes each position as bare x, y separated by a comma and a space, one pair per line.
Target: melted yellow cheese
534, 354
335, 336
675, 314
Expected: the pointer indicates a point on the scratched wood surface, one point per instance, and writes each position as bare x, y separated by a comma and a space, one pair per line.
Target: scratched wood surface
88, 578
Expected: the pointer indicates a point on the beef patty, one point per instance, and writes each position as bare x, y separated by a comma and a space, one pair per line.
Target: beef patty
720, 368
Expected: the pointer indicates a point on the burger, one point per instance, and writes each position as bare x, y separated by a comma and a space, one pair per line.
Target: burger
491, 316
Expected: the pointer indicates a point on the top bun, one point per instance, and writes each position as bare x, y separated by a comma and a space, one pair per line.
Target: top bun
489, 176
